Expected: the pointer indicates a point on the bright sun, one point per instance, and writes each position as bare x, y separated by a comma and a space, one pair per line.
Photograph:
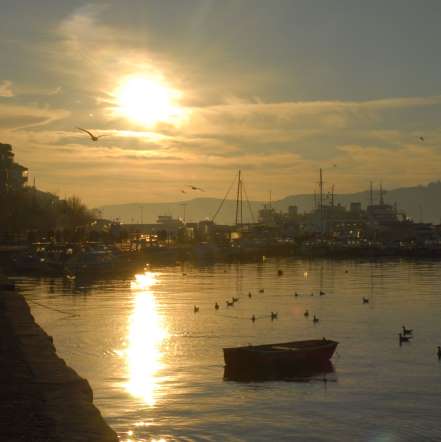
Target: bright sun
148, 101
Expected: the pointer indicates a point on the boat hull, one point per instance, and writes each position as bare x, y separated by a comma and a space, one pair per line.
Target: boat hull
295, 357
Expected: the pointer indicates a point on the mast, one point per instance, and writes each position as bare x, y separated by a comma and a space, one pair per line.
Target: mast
371, 194
381, 194
321, 190
241, 203
238, 197
184, 205
321, 200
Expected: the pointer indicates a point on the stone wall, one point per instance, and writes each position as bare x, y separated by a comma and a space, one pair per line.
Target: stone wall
41, 398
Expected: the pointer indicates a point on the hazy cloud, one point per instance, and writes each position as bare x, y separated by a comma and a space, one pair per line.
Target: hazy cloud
241, 116
21, 117
6, 89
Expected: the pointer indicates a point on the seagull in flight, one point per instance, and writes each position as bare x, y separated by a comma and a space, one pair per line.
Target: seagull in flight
91, 135
195, 188
421, 138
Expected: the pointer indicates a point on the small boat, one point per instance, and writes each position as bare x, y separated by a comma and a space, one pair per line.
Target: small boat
280, 357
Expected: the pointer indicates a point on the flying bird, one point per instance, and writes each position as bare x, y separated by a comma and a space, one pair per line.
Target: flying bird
91, 135
421, 138
183, 191
195, 188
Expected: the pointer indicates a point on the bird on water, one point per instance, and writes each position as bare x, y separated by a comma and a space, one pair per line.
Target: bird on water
407, 331
402, 338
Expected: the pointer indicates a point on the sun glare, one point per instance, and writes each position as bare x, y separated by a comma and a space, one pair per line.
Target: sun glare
147, 332
148, 101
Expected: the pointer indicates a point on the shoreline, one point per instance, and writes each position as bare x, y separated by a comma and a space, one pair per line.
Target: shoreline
41, 398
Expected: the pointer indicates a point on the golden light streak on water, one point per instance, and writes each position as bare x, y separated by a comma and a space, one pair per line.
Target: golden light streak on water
146, 334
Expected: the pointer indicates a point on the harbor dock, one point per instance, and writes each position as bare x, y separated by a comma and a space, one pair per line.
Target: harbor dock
41, 398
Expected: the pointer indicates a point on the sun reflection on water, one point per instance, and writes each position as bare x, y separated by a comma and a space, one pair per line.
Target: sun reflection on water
146, 334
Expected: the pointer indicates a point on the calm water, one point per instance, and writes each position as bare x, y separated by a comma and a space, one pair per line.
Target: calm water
156, 367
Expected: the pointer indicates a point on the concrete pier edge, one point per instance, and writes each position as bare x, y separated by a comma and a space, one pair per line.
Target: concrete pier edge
41, 398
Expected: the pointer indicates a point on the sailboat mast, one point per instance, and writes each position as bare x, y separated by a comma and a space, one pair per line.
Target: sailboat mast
321, 201
237, 197
241, 202
321, 190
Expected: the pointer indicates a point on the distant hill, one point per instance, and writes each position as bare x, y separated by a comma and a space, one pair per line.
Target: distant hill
195, 210
420, 201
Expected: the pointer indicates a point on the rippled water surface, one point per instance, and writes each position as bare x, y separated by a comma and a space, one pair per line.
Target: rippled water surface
156, 367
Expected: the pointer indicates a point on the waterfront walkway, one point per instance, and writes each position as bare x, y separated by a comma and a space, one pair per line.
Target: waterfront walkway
41, 398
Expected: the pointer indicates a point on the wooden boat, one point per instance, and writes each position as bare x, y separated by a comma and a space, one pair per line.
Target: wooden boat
281, 357
289, 374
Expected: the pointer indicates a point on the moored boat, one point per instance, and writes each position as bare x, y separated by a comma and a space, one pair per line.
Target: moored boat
280, 357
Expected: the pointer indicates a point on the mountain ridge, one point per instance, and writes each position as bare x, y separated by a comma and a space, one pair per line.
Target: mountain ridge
422, 202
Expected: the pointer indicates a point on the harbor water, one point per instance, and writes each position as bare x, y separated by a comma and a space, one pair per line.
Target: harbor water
156, 367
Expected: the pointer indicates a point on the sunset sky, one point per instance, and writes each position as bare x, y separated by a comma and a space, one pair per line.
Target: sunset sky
188, 91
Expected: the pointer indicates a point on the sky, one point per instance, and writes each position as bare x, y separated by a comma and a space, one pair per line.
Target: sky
186, 92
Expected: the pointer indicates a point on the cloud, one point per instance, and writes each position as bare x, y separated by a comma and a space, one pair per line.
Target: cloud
25, 117
279, 145
6, 89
